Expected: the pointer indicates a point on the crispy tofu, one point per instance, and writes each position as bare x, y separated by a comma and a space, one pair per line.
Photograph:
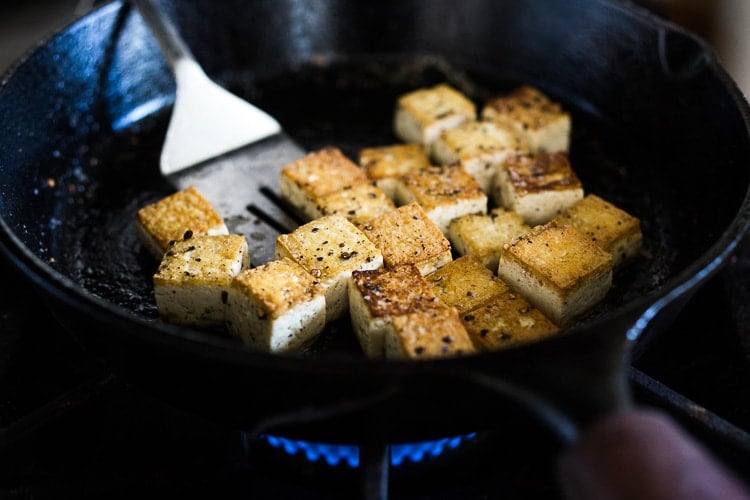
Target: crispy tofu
479, 146
330, 248
543, 123
376, 296
423, 113
276, 307
610, 227
537, 186
317, 174
507, 320
483, 235
444, 192
427, 334
407, 236
359, 203
384, 165
465, 283
558, 269
194, 276
175, 217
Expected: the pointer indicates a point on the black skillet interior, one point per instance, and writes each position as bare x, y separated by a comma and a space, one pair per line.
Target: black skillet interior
658, 129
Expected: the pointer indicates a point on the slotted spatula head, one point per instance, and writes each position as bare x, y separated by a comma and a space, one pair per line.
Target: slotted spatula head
230, 150
208, 121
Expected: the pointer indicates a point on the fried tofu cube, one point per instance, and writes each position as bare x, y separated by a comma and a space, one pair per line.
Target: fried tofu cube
423, 113
558, 269
330, 248
376, 296
317, 174
359, 203
507, 320
427, 334
174, 217
444, 192
276, 307
543, 123
537, 186
386, 164
465, 283
194, 276
610, 227
480, 147
483, 235
407, 236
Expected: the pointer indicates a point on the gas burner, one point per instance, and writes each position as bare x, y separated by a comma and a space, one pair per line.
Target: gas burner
348, 454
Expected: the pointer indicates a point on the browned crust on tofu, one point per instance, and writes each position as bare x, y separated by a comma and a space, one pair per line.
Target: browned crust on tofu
484, 235
359, 203
431, 333
608, 226
474, 139
202, 259
541, 172
328, 246
506, 321
431, 105
278, 286
394, 291
526, 105
393, 160
561, 257
439, 186
324, 171
465, 283
407, 236
171, 218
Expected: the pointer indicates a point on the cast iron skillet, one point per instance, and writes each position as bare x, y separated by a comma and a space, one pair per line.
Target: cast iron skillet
658, 129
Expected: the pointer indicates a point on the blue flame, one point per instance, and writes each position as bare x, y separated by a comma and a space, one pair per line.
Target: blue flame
335, 454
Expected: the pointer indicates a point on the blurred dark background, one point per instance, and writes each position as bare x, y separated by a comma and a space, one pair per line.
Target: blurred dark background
723, 23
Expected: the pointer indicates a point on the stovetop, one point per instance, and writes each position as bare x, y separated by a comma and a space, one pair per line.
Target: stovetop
71, 429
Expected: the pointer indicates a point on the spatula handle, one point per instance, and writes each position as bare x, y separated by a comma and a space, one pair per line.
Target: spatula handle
172, 44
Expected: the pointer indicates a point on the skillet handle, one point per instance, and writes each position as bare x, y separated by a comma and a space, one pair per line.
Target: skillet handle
643, 454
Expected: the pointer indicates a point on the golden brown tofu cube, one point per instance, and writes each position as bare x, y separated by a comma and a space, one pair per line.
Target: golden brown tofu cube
375, 296
330, 248
194, 276
317, 174
465, 283
478, 146
610, 227
386, 164
483, 235
407, 236
537, 186
444, 192
543, 123
276, 307
172, 218
359, 203
427, 334
558, 269
507, 320
423, 113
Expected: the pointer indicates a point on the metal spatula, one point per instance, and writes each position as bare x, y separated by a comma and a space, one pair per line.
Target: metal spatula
230, 150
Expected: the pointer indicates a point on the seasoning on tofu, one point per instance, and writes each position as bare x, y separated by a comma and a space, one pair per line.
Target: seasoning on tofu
423, 113
168, 220
537, 186
558, 269
543, 123
194, 276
